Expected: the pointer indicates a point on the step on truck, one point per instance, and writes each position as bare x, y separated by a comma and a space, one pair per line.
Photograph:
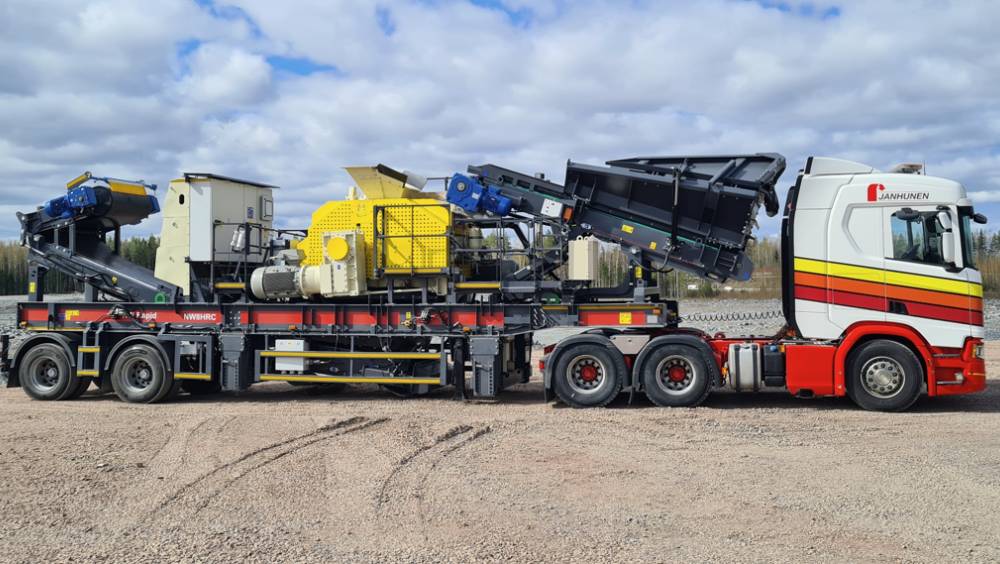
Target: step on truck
413, 289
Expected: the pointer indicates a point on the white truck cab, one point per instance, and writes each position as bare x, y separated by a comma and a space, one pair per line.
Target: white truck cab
885, 247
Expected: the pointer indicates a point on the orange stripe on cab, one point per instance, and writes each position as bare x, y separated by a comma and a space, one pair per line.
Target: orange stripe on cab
945, 299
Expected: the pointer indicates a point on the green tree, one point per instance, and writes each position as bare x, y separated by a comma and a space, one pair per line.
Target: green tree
994, 248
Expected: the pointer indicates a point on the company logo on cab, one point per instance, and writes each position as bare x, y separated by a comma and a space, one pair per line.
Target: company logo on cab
873, 190
877, 193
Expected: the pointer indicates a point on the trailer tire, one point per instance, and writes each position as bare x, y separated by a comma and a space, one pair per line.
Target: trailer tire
81, 387
173, 392
884, 375
139, 375
45, 373
589, 375
676, 376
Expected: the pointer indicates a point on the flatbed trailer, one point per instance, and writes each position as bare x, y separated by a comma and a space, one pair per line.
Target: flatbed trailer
233, 345
881, 298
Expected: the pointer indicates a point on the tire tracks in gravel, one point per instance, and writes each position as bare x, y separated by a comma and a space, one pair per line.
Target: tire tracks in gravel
410, 475
174, 453
228, 474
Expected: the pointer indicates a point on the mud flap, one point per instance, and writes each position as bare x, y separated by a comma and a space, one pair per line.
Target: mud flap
5, 379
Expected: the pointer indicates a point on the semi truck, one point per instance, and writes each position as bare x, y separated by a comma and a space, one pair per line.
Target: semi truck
413, 289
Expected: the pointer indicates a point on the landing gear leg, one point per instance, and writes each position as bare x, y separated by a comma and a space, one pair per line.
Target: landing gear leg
458, 368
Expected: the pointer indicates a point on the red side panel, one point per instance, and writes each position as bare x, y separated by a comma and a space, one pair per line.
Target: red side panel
605, 318
810, 367
76, 315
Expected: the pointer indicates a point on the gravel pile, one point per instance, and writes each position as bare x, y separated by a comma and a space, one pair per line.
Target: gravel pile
991, 315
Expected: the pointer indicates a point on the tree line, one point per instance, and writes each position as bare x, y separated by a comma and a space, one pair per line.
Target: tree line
988, 260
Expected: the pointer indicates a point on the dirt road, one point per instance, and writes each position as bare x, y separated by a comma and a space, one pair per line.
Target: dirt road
282, 473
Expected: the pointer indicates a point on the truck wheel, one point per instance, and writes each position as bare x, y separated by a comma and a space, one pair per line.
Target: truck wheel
45, 373
884, 375
139, 375
588, 375
675, 376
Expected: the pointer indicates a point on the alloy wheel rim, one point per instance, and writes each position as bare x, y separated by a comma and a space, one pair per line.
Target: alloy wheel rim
883, 377
675, 374
586, 374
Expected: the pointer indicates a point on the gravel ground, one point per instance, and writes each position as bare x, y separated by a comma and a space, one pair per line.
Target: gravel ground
292, 474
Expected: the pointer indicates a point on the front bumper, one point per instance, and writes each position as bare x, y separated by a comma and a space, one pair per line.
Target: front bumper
962, 373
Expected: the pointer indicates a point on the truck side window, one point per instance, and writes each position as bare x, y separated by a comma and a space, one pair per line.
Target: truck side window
917, 239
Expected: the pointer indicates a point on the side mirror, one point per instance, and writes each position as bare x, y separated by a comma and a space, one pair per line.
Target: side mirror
944, 218
948, 247
979, 218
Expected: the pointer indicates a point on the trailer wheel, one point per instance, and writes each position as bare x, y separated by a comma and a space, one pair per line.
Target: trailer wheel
884, 375
81, 387
675, 376
45, 373
140, 376
589, 375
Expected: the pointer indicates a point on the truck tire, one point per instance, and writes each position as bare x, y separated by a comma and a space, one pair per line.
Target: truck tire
140, 376
884, 375
588, 375
46, 374
676, 376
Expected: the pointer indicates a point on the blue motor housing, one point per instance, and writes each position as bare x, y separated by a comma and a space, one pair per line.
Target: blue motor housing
102, 205
72, 203
468, 194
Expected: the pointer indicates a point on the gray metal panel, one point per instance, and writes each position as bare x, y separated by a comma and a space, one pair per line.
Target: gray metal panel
235, 366
487, 377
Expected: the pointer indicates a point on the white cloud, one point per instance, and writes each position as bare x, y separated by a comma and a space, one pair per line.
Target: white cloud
150, 89
984, 196
223, 77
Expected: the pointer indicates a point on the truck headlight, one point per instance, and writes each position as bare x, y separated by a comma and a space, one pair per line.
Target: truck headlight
977, 351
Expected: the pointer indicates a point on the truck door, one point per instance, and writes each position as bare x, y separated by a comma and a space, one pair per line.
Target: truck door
922, 289
964, 231
855, 284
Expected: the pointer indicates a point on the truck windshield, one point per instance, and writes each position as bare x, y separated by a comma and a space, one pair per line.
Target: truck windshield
968, 238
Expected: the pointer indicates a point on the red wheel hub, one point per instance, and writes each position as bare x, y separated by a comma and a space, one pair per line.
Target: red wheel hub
588, 373
677, 374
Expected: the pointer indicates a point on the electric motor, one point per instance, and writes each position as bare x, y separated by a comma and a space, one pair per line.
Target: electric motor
275, 282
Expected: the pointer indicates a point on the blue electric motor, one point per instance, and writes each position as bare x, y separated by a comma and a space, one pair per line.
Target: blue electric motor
106, 205
473, 197
73, 202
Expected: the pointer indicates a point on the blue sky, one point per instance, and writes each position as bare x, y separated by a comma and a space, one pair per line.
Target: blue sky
288, 93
